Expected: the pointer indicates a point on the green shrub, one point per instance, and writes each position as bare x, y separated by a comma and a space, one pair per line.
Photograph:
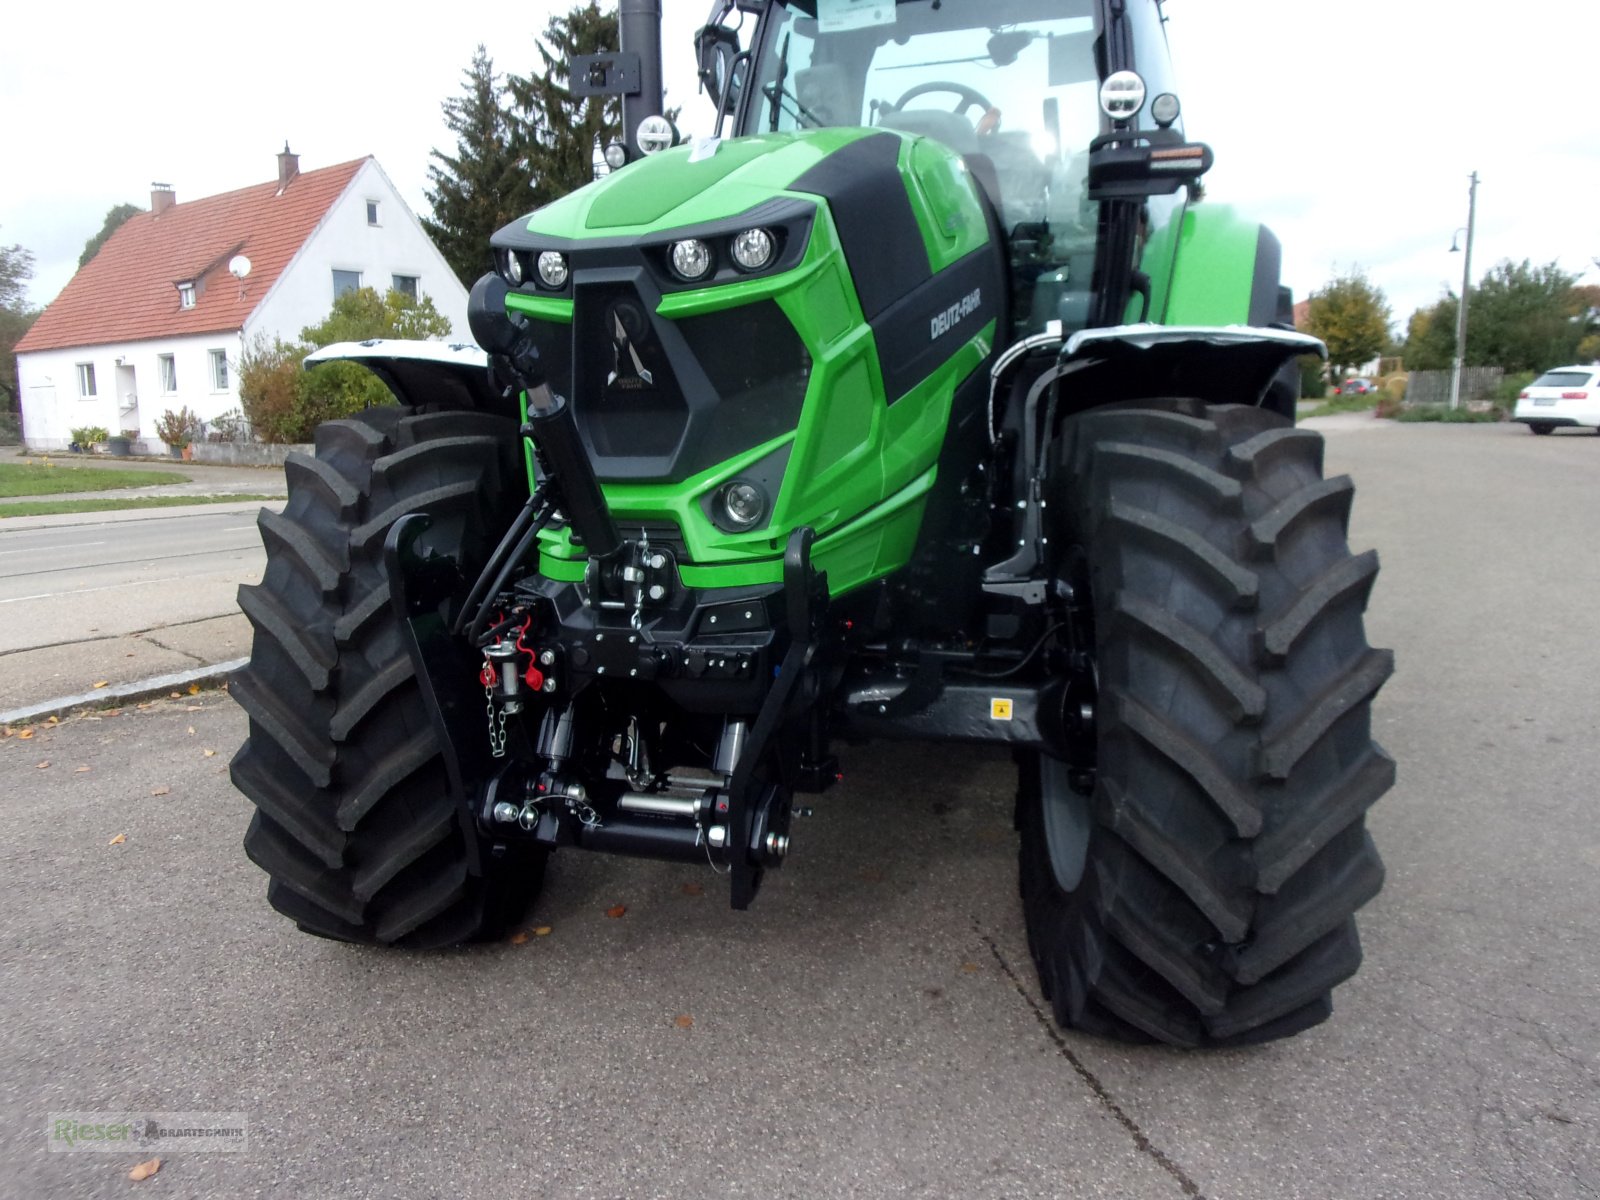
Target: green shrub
1312, 385
1511, 386
91, 435
231, 426
178, 428
1345, 404
269, 390
1450, 416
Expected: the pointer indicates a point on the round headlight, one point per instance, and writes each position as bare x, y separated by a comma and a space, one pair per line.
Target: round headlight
654, 135
1164, 109
513, 268
616, 156
743, 504
552, 268
1122, 95
691, 258
752, 249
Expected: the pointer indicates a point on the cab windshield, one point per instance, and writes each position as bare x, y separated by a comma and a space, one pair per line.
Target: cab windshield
1009, 84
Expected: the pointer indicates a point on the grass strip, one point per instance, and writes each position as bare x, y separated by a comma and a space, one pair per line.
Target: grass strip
43, 508
48, 478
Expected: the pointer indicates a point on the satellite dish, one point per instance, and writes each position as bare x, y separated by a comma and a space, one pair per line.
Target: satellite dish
238, 266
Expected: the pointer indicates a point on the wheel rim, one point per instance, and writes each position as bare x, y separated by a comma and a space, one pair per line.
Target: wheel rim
1066, 823
1064, 788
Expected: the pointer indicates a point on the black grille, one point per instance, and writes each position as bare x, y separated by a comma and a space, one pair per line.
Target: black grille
660, 400
758, 367
628, 400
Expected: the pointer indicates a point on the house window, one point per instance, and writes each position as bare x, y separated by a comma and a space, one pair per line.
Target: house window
169, 373
406, 284
86, 381
219, 370
186, 295
345, 281
372, 212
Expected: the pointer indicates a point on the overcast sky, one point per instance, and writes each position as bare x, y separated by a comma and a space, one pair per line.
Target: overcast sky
1348, 126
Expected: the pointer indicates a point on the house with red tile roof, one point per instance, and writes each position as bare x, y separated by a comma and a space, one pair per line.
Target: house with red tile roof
157, 319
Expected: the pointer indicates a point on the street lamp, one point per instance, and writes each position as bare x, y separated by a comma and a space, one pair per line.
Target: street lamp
1466, 286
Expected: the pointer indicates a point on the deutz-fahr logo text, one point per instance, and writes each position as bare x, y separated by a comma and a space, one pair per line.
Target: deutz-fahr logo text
943, 323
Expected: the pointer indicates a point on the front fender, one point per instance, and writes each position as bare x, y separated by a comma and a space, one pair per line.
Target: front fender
447, 374
1229, 364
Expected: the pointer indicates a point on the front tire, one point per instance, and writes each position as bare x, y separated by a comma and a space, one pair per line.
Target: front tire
354, 821
1541, 427
1202, 892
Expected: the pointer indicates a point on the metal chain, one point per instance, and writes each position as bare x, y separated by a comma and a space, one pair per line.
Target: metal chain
497, 725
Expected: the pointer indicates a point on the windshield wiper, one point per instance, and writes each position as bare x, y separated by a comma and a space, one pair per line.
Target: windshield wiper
776, 93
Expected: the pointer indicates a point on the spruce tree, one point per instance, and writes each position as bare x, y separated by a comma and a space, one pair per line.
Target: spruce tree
483, 186
557, 131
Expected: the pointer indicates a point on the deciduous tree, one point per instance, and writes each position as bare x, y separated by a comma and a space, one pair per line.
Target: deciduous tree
1352, 316
16, 268
1525, 318
1431, 336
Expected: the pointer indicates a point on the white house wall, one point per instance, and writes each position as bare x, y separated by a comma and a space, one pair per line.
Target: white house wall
397, 245
52, 408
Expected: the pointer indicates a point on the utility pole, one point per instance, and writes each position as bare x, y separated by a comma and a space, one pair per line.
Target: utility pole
1466, 287
639, 31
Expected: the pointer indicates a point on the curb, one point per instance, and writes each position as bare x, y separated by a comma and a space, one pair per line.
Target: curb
124, 693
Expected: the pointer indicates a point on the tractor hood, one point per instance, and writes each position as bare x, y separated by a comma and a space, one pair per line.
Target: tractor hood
709, 180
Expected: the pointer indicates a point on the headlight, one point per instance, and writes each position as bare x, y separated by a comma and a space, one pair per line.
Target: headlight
752, 249
743, 504
691, 259
553, 268
616, 156
513, 268
1122, 95
655, 134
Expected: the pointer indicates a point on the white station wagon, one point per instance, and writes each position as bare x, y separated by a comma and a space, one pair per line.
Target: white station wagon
1563, 396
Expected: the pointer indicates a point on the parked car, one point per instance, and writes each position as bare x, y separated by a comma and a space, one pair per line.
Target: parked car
1355, 387
1565, 396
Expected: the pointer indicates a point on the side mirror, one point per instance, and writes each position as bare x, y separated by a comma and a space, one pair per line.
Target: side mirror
715, 48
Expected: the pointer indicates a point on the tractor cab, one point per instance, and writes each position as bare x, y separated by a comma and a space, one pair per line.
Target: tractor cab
1031, 94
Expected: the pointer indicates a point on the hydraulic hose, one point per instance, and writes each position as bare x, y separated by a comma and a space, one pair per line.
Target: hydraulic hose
469, 606
524, 544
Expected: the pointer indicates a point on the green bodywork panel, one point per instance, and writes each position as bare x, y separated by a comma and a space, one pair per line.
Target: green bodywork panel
1207, 277
859, 467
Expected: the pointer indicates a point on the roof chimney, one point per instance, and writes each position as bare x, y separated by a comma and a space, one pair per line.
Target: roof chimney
288, 166
162, 197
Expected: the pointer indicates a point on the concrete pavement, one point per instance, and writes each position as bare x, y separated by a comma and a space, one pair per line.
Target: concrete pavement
871, 1027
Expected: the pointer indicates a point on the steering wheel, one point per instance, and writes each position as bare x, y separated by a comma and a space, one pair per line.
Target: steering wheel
966, 97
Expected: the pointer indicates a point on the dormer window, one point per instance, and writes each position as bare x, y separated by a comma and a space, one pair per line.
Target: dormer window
186, 295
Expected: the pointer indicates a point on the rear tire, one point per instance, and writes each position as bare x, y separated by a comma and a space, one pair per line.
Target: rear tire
354, 822
1203, 894
1541, 428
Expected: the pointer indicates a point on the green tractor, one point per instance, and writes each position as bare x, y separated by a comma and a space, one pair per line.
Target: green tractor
931, 404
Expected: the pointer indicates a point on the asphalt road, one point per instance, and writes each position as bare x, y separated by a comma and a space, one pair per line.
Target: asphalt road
66, 582
872, 1026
